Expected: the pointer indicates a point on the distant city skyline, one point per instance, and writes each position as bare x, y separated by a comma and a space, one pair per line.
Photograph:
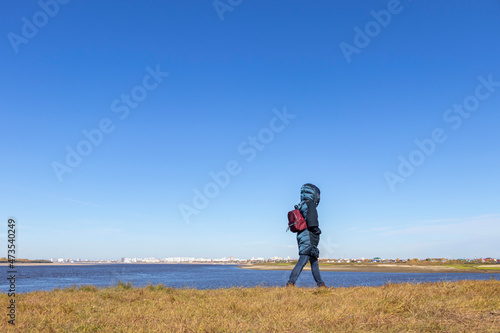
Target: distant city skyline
252, 259
232, 259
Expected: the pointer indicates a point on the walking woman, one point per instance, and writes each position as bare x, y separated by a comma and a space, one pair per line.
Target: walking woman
308, 239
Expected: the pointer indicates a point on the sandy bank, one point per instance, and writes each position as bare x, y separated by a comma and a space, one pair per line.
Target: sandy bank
379, 268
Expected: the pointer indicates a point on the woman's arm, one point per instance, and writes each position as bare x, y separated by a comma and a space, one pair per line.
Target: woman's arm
312, 215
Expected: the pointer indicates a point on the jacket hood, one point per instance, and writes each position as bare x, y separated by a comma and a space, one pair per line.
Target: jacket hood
310, 192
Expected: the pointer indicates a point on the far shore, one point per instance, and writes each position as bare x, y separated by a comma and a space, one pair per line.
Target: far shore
375, 268
83, 263
380, 268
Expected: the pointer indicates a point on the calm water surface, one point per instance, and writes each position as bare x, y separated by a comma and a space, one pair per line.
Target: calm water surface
30, 278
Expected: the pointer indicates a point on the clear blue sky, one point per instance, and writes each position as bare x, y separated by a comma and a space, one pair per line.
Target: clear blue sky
361, 82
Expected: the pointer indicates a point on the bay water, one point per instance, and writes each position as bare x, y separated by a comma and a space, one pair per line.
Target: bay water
201, 276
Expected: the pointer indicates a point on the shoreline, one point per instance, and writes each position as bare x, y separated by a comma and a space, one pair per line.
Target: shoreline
356, 268
113, 263
379, 268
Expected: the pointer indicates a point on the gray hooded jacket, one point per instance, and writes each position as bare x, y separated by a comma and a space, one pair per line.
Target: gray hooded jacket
308, 239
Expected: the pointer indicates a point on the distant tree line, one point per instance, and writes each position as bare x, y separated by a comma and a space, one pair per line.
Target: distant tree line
21, 260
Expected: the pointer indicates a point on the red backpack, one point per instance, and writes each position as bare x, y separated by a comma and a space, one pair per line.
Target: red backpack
296, 221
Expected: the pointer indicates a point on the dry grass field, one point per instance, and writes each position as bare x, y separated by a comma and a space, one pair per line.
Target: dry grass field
464, 306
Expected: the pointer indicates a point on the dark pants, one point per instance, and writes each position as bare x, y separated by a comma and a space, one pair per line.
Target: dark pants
303, 259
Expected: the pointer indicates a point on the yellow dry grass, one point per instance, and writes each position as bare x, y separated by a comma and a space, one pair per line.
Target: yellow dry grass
463, 306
